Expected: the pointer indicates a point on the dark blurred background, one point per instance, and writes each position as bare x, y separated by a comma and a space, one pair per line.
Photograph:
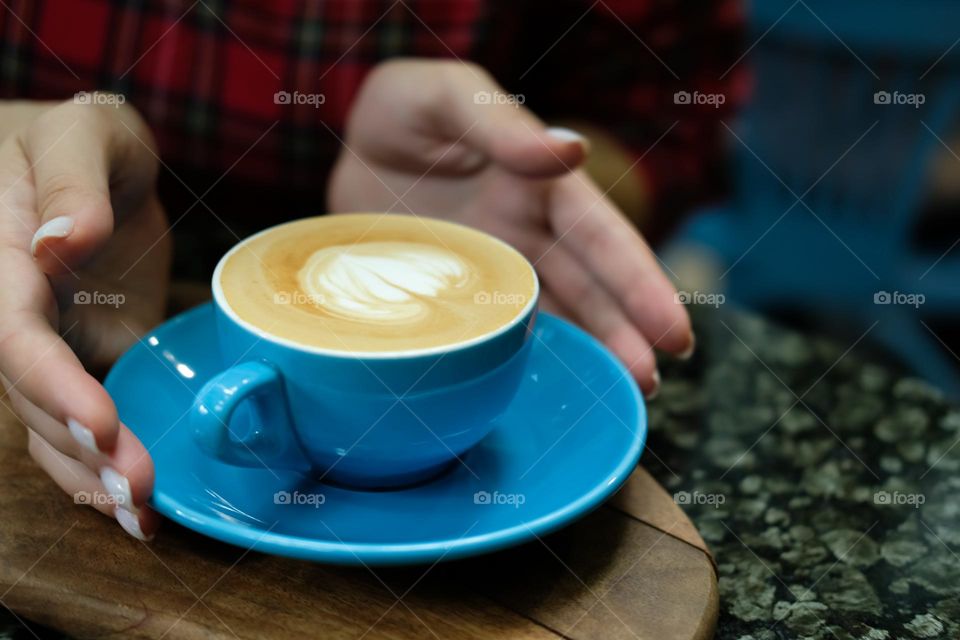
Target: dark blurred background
843, 185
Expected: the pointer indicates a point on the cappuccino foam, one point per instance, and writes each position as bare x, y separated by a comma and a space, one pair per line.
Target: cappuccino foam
376, 283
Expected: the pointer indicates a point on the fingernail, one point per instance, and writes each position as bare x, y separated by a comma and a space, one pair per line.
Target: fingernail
656, 386
59, 227
118, 487
82, 435
131, 524
567, 135
687, 353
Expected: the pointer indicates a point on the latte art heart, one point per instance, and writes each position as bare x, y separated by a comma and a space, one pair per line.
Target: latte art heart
381, 281
376, 283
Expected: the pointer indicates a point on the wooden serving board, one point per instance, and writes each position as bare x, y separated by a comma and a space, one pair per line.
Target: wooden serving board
635, 568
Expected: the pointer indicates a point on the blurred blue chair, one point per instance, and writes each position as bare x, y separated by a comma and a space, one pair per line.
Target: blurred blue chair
831, 157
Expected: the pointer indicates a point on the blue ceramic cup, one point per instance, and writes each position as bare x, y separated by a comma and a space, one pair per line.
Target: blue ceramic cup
372, 420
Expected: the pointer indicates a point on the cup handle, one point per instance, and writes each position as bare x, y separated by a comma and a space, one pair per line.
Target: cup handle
271, 441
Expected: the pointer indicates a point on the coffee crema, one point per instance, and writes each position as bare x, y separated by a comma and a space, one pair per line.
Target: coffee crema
376, 283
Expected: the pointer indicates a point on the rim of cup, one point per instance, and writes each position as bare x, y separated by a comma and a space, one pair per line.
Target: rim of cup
221, 301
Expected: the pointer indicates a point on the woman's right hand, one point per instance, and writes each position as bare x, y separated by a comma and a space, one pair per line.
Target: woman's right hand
84, 271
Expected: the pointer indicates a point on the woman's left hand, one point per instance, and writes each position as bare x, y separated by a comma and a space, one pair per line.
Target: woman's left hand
438, 138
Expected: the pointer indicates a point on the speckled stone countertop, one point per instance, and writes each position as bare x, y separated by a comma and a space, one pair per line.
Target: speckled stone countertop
827, 487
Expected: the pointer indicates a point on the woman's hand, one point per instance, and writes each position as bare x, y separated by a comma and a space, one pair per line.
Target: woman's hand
435, 138
84, 269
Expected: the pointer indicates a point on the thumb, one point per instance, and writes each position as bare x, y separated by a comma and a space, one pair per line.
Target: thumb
71, 175
499, 125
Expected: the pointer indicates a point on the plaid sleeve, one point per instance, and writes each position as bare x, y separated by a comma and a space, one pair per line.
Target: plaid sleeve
253, 90
221, 82
659, 76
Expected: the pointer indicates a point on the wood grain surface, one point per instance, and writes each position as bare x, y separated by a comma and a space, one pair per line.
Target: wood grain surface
635, 568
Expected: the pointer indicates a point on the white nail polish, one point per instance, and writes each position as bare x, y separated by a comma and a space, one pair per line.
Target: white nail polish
656, 386
82, 435
131, 524
118, 486
566, 135
59, 227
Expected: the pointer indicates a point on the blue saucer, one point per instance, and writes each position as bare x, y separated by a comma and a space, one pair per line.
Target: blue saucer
571, 437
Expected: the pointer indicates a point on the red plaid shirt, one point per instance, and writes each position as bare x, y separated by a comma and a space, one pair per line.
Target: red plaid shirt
205, 73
